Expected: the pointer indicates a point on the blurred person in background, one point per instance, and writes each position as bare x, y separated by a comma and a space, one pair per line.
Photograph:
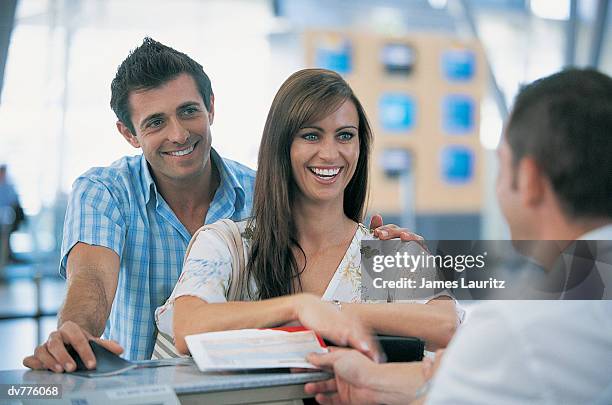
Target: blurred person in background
11, 216
554, 183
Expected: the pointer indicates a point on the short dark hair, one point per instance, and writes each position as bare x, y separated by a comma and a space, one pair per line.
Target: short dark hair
564, 122
149, 66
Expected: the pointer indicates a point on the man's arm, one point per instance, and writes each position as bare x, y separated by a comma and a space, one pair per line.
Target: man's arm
92, 273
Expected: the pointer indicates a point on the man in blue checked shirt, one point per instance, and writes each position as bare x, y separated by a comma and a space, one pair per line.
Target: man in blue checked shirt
128, 225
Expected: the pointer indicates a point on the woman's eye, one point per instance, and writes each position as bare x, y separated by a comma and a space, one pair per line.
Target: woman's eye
310, 137
345, 136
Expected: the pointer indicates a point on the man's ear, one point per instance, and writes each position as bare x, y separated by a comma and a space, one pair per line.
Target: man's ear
531, 182
211, 110
127, 134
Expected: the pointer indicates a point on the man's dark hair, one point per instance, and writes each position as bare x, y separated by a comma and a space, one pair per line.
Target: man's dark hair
149, 66
564, 122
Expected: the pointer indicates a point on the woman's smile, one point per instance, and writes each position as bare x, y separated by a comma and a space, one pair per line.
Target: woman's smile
327, 174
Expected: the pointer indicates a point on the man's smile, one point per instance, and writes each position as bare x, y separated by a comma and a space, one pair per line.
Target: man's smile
182, 152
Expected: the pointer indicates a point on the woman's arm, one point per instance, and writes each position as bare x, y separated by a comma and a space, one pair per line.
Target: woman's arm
434, 322
193, 315
198, 304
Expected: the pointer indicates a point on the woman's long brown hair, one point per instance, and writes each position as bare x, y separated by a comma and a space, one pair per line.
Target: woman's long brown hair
307, 96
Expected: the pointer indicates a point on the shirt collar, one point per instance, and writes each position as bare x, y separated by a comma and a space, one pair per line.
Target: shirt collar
146, 179
601, 233
227, 179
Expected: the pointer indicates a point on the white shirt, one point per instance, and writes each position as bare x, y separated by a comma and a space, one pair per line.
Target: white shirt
602, 233
515, 352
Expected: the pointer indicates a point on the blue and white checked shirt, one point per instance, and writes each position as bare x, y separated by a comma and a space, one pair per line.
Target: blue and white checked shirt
118, 207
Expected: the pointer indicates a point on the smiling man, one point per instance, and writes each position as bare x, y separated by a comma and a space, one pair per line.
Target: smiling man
128, 225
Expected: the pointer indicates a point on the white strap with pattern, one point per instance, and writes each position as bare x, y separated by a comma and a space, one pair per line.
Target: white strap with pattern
230, 234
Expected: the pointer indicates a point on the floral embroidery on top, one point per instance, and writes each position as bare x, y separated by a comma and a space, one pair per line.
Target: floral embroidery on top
206, 272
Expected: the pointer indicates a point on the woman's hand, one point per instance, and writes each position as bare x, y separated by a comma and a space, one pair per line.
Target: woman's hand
331, 323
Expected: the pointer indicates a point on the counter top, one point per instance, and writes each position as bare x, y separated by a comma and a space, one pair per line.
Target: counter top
183, 378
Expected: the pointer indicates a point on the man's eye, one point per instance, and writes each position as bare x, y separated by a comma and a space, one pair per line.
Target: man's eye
155, 123
310, 137
190, 111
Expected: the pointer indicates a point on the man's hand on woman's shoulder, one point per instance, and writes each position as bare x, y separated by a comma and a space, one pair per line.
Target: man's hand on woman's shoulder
391, 231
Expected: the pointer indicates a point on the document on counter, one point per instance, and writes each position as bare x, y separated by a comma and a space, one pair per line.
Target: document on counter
254, 349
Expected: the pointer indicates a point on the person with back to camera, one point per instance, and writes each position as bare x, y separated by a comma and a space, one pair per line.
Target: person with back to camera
554, 184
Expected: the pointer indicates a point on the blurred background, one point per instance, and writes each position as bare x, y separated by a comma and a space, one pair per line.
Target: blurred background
437, 78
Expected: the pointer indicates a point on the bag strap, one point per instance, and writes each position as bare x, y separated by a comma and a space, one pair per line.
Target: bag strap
230, 233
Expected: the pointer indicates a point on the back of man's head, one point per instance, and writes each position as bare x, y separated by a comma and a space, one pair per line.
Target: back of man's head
149, 66
564, 122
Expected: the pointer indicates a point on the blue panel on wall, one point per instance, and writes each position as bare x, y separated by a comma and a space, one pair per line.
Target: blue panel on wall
458, 114
458, 65
398, 59
457, 164
336, 56
397, 112
396, 161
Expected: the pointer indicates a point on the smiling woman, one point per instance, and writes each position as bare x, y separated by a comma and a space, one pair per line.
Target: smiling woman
324, 154
315, 124
303, 242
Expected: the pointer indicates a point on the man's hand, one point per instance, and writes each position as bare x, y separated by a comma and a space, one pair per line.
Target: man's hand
430, 368
358, 380
332, 324
386, 232
53, 355
353, 374
92, 273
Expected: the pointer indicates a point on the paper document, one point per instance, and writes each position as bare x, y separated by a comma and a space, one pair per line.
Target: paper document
253, 349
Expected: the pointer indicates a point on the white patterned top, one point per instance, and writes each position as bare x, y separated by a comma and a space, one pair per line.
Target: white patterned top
208, 268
